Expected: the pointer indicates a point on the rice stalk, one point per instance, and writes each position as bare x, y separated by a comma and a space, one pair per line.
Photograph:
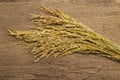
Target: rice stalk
58, 34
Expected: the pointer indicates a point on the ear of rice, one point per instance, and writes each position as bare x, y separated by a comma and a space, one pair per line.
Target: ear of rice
58, 34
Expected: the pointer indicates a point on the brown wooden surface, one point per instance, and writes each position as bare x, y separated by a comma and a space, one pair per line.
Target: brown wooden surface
16, 63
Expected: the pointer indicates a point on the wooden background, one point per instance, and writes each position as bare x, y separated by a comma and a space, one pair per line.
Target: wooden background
16, 63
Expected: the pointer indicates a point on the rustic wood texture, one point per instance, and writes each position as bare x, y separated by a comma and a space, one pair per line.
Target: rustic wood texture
16, 62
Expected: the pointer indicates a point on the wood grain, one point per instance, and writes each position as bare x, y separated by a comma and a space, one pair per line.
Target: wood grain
16, 62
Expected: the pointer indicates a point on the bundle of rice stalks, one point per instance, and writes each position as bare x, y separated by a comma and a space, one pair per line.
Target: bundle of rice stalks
57, 34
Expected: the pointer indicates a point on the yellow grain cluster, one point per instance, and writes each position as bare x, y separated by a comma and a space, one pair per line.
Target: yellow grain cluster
57, 34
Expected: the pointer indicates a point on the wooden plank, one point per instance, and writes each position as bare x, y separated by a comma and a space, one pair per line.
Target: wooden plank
16, 63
